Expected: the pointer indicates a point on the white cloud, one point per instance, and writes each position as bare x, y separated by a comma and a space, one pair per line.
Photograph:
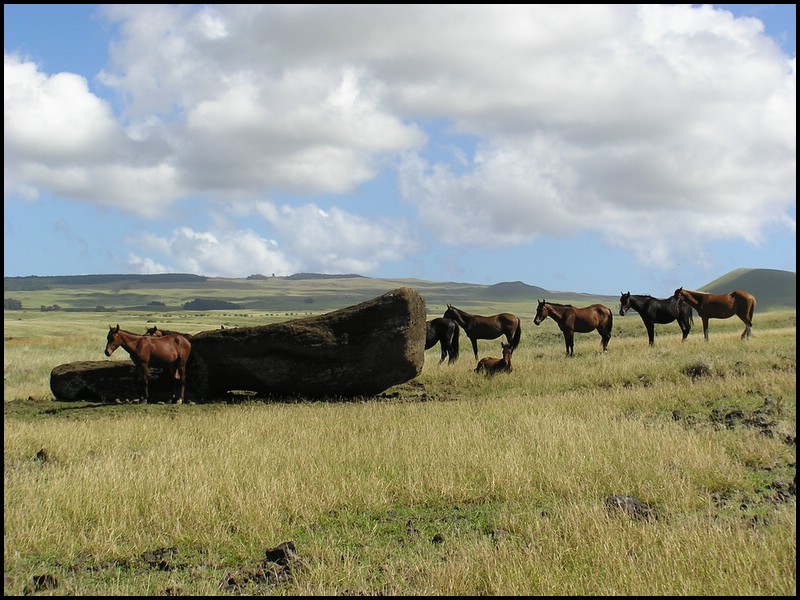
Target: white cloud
234, 253
645, 124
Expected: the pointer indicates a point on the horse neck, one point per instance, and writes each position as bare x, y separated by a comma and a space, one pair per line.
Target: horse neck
692, 298
460, 316
556, 312
128, 340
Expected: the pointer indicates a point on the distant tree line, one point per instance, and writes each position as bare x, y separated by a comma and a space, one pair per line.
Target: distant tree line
210, 304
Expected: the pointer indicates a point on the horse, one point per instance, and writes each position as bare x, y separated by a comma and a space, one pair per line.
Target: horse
155, 331
491, 366
170, 351
655, 311
446, 333
720, 306
581, 320
486, 328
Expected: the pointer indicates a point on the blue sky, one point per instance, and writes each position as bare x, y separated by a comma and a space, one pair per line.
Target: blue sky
593, 149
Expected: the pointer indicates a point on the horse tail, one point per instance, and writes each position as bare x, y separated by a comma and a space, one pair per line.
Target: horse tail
454, 342
517, 335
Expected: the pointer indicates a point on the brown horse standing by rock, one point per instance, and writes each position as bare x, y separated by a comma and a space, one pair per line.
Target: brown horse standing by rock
168, 351
486, 328
720, 306
582, 320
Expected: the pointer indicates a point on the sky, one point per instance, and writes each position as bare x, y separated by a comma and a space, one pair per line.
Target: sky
582, 148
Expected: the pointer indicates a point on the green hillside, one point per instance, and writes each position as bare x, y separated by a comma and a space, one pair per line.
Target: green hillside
310, 293
772, 288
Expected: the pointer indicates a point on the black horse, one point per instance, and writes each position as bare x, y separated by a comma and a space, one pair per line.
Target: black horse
655, 311
445, 332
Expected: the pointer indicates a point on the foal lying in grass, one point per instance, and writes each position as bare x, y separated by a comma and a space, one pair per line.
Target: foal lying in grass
490, 366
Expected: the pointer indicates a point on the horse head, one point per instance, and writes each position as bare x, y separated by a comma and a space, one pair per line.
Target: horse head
112, 340
541, 312
624, 303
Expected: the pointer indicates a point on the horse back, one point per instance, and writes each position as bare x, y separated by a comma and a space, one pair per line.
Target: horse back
166, 349
745, 297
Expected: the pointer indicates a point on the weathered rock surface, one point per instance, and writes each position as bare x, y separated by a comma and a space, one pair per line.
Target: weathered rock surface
358, 350
107, 381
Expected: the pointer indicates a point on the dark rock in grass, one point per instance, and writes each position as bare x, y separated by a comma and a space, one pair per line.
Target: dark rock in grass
632, 507
360, 350
107, 381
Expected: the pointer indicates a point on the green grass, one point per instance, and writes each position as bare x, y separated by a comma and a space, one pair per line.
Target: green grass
449, 484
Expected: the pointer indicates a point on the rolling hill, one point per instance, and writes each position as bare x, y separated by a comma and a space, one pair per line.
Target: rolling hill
318, 293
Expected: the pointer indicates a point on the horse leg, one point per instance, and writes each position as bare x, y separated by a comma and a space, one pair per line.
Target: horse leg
180, 373
443, 348
569, 342
651, 332
606, 339
705, 328
746, 332
475, 347
145, 376
684, 325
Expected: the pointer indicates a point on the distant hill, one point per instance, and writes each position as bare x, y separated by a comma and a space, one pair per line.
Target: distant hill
513, 290
772, 288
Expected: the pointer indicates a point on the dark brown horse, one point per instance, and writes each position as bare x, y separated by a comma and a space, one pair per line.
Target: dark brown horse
491, 366
445, 332
486, 328
169, 351
581, 320
720, 306
155, 331
652, 310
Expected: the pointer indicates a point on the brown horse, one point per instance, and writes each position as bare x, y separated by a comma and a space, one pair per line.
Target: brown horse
169, 351
490, 366
720, 306
155, 331
486, 328
581, 320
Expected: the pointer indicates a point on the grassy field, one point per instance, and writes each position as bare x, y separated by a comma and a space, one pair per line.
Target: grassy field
449, 484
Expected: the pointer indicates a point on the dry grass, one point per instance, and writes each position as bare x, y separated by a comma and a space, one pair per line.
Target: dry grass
451, 484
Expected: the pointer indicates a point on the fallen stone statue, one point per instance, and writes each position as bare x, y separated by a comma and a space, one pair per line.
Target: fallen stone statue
358, 350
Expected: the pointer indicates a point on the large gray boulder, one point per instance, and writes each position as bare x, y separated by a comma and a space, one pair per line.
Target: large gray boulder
359, 350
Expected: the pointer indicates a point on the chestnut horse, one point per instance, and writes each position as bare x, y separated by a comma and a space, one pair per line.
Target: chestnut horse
581, 320
653, 310
168, 351
444, 332
720, 306
490, 366
486, 328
